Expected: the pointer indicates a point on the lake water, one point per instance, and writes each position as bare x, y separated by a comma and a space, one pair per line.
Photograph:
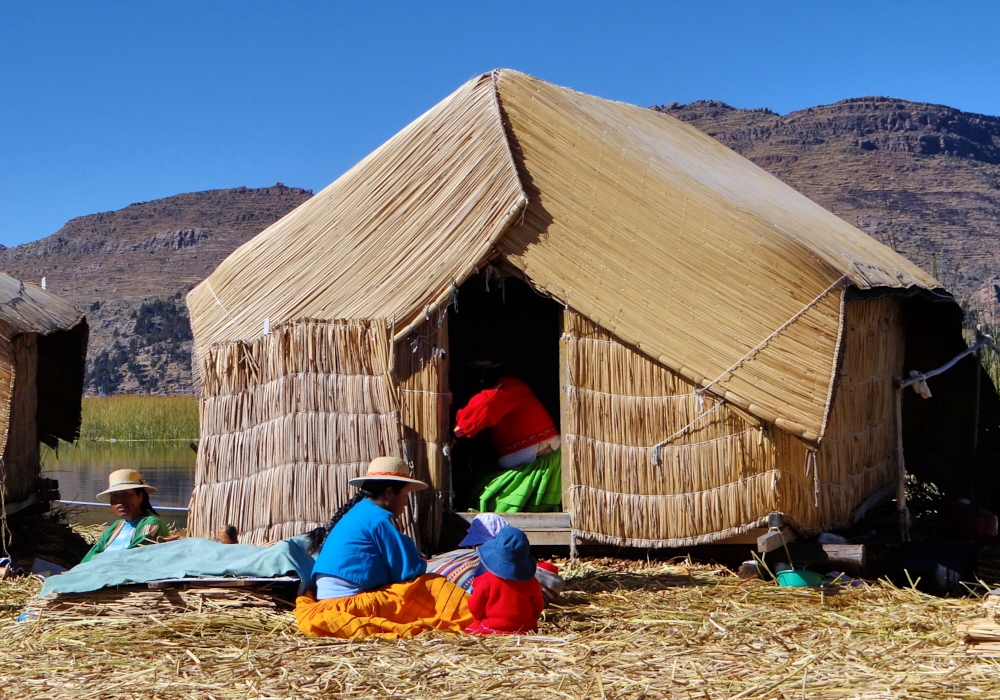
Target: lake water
82, 470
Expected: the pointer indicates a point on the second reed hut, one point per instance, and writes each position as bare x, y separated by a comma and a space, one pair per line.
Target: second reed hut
716, 346
43, 347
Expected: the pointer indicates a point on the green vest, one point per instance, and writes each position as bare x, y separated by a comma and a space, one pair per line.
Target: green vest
149, 530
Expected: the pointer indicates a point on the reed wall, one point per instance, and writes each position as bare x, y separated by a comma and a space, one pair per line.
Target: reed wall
422, 371
20, 467
723, 472
286, 421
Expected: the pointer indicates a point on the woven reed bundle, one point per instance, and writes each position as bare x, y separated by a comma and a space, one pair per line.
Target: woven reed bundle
723, 473
287, 421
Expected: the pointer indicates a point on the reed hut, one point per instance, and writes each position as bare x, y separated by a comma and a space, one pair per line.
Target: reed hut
717, 347
43, 347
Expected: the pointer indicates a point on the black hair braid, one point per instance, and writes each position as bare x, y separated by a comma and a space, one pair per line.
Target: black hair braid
318, 535
146, 506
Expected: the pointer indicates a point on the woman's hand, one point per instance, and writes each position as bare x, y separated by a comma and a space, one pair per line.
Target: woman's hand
459, 432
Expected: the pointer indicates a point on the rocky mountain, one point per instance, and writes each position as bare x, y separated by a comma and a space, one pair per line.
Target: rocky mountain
923, 179
129, 270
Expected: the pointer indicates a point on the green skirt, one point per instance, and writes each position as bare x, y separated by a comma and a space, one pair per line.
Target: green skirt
535, 487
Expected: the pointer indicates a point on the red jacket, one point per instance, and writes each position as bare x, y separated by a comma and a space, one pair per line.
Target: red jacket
517, 418
505, 606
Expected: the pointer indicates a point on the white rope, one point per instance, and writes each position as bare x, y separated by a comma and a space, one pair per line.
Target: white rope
660, 446
631, 396
781, 328
656, 448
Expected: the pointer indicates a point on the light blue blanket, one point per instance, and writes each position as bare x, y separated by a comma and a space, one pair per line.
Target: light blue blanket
186, 557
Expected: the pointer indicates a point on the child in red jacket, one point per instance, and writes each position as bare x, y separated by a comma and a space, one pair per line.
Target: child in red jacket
507, 599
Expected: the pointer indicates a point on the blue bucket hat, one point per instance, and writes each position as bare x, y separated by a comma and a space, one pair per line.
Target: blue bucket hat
508, 555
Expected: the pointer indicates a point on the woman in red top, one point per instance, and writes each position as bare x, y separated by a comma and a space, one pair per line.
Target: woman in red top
527, 445
507, 599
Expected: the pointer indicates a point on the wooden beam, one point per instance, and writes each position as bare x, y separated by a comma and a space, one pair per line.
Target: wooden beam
774, 539
845, 557
529, 521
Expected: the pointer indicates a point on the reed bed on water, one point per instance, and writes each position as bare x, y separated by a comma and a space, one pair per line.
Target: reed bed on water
140, 418
621, 630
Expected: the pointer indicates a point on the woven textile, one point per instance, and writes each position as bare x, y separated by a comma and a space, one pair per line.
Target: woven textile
397, 611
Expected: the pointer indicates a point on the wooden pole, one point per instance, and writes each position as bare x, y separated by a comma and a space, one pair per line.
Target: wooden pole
904, 513
975, 418
564, 378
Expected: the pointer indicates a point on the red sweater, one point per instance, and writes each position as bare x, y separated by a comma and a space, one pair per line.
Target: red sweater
505, 606
517, 418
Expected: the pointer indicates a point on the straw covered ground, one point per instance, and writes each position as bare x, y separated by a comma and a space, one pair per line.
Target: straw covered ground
622, 630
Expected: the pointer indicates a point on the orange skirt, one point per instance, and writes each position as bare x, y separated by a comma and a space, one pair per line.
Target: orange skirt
400, 610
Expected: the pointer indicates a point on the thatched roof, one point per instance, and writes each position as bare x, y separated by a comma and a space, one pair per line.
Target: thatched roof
61, 349
681, 247
27, 308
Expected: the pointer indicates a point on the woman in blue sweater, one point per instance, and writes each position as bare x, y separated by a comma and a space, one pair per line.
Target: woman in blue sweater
369, 578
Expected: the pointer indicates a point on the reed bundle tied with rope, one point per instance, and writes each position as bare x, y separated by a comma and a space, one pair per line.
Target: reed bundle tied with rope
723, 472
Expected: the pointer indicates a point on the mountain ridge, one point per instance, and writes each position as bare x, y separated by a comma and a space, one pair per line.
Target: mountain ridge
921, 178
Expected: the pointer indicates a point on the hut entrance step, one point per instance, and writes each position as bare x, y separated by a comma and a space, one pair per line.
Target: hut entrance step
542, 529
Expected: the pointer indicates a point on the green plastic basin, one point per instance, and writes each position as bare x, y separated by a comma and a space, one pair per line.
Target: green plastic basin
798, 578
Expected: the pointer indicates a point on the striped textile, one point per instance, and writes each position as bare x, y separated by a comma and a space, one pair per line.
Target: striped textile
459, 566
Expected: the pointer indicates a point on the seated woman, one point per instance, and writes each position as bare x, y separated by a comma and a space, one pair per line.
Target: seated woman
526, 440
370, 580
138, 523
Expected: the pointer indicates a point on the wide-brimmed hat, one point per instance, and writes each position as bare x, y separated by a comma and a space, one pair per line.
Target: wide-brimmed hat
508, 555
484, 527
124, 480
483, 357
388, 469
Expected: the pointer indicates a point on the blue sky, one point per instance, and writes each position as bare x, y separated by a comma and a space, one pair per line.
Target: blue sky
105, 104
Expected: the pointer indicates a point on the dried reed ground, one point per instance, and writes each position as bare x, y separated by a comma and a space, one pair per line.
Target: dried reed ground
622, 630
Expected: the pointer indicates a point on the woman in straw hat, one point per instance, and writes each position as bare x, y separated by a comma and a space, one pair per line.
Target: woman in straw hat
369, 578
138, 523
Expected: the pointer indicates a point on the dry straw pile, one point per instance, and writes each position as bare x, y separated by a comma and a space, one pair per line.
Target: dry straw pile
622, 630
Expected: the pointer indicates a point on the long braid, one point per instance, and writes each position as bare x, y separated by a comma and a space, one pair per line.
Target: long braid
318, 536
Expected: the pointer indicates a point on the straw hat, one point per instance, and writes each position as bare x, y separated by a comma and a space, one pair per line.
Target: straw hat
388, 469
124, 480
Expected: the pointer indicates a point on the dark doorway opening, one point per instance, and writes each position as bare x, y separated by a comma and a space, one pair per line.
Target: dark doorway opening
521, 328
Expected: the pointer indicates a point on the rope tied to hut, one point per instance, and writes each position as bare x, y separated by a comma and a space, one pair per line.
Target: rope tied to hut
760, 346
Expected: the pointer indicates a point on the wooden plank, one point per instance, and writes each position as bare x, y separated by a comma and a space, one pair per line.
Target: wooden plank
851, 557
748, 537
219, 582
774, 539
529, 521
559, 538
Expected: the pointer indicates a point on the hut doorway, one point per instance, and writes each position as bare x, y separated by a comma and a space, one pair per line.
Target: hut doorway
502, 316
